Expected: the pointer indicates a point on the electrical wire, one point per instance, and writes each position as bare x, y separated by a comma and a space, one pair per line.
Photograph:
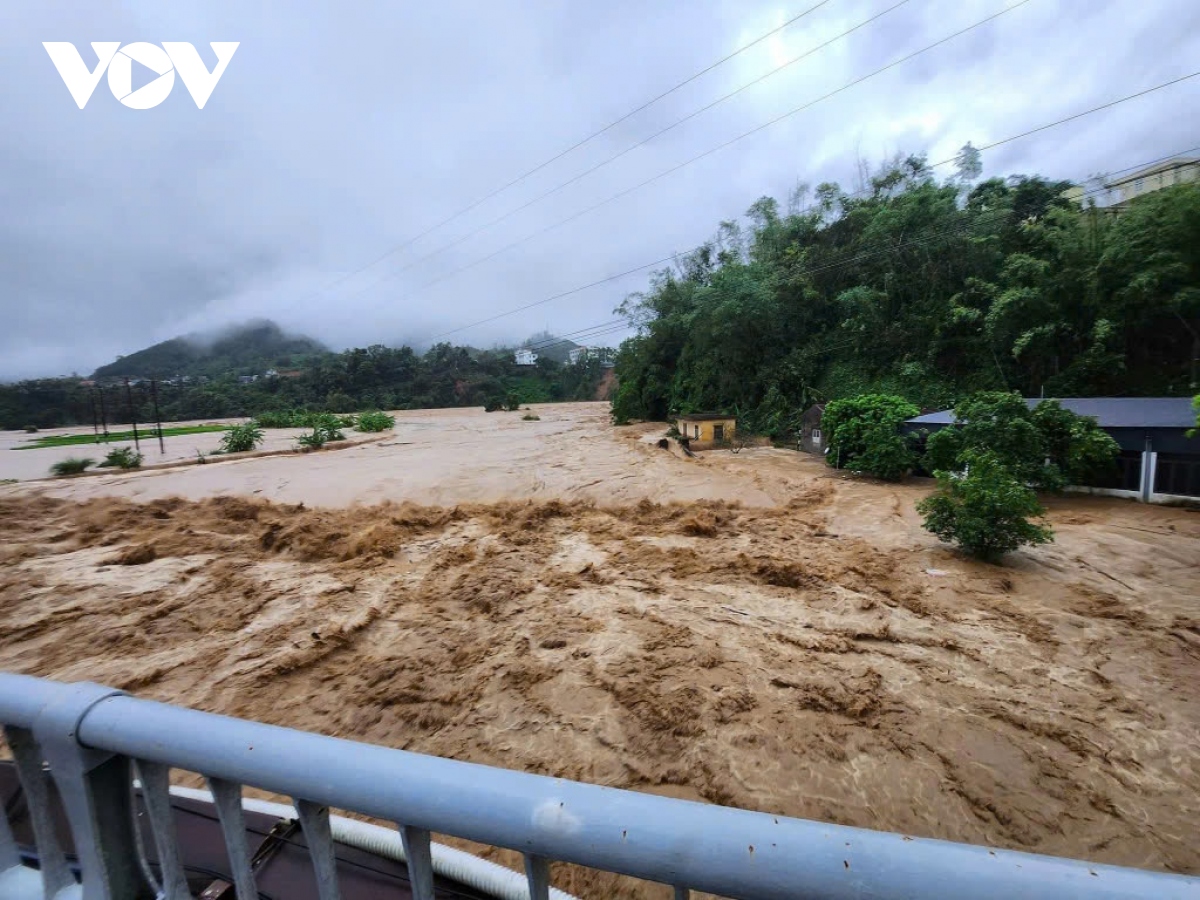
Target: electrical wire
540, 197
948, 232
706, 153
540, 166
1058, 122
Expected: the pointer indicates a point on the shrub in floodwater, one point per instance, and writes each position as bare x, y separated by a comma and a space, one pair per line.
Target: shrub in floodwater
242, 438
986, 511
122, 458
375, 421
71, 466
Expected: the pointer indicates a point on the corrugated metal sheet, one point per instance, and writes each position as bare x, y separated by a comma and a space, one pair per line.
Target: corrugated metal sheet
1109, 412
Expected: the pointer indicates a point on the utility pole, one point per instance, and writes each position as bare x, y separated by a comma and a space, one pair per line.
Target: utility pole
95, 418
103, 415
157, 417
132, 415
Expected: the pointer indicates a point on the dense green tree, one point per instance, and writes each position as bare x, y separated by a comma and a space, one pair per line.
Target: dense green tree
1075, 444
1046, 447
358, 379
926, 291
986, 512
1001, 424
864, 435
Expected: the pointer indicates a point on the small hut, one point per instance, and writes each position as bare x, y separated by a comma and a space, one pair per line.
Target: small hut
811, 438
705, 430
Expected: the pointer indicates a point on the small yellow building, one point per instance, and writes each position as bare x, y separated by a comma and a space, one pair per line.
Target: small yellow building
1178, 170
704, 430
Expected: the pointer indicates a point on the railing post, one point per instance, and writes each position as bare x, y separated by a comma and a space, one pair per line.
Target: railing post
537, 873
227, 797
28, 757
16, 880
156, 795
314, 819
420, 866
95, 791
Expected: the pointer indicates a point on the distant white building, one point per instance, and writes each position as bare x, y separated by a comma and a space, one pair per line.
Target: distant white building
1114, 194
525, 357
576, 354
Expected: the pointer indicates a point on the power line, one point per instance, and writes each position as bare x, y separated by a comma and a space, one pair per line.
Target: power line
712, 150
950, 231
547, 346
595, 134
641, 143
1070, 118
597, 283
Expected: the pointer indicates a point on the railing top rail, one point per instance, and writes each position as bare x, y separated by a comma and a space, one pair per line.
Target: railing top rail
724, 851
23, 697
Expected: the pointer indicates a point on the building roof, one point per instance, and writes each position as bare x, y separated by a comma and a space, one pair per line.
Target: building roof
1166, 165
704, 417
1109, 412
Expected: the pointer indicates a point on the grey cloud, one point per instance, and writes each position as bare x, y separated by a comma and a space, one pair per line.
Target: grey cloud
340, 131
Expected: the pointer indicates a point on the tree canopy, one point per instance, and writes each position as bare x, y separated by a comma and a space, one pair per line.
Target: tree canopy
362, 378
925, 290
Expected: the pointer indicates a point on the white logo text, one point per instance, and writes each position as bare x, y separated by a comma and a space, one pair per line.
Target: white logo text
164, 61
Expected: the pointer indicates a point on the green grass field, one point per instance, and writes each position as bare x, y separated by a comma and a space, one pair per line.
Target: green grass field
145, 434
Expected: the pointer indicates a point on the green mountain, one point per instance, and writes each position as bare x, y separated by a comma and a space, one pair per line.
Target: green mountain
249, 349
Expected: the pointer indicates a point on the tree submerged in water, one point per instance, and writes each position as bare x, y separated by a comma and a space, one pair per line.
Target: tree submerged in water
985, 510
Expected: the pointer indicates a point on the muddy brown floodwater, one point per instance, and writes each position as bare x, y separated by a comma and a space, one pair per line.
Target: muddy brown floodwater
774, 636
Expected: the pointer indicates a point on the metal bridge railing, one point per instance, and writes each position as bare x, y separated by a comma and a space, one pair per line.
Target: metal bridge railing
92, 739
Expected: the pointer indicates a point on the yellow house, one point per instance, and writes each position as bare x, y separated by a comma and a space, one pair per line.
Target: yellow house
1179, 170
704, 430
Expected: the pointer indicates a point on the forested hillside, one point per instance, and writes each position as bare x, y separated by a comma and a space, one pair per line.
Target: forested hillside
248, 350
363, 378
926, 290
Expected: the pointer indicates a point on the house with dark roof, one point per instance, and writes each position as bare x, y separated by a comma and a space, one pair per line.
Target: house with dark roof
1158, 462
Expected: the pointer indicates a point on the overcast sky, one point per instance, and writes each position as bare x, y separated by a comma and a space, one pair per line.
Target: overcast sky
339, 131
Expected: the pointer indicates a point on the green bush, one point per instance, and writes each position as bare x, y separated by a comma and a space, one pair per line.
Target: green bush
314, 440
347, 421
71, 466
1075, 444
1046, 447
512, 403
329, 427
1001, 423
493, 404
942, 450
31, 429
531, 417
864, 435
986, 511
242, 438
287, 418
122, 458
375, 421
326, 427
